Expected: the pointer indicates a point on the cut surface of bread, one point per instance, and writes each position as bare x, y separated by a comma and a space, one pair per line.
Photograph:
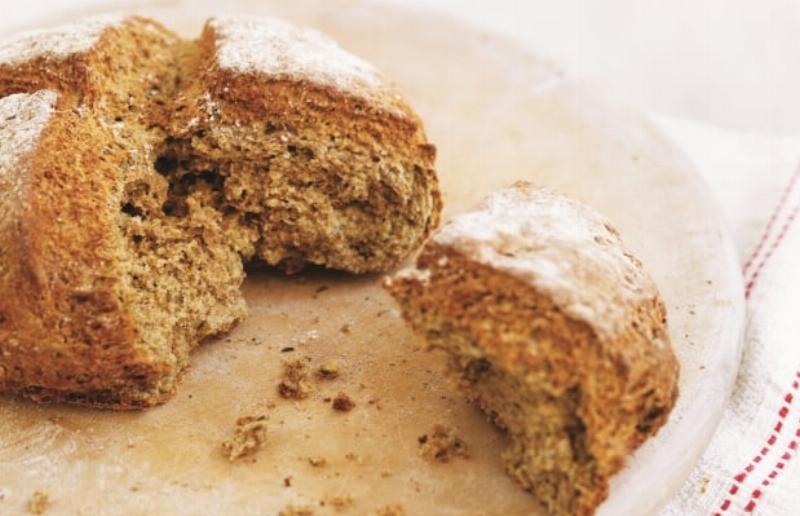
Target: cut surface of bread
554, 330
139, 172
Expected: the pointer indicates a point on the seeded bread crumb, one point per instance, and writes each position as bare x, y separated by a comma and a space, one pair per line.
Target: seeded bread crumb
248, 437
329, 370
343, 403
442, 445
295, 384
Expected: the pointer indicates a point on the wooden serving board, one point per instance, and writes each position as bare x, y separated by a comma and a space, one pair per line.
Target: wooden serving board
497, 115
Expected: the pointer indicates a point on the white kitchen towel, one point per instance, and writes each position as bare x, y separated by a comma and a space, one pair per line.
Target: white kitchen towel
751, 465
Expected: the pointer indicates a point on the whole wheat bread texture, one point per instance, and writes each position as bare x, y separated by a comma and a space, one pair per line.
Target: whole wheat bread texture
140, 171
554, 330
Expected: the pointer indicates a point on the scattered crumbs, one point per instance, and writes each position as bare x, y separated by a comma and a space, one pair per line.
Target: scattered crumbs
691, 312
345, 328
254, 341
327, 400
381, 313
317, 462
703, 485
135, 488
295, 510
287, 481
709, 282
329, 370
702, 367
248, 437
385, 474
295, 383
39, 503
271, 405
343, 403
391, 510
442, 445
338, 503
320, 289
287, 349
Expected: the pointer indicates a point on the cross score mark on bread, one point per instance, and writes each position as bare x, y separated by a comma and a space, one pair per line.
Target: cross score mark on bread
139, 171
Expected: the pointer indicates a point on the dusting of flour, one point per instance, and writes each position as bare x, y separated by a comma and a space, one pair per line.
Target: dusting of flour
276, 48
563, 248
56, 43
23, 117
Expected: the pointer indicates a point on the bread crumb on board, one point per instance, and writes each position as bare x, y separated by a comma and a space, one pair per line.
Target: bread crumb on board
39, 503
295, 510
248, 437
343, 403
295, 384
442, 445
329, 370
391, 510
338, 503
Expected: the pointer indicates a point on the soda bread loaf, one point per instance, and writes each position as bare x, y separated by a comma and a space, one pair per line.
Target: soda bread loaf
139, 171
554, 330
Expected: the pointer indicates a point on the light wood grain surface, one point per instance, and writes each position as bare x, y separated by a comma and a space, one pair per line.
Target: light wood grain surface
497, 114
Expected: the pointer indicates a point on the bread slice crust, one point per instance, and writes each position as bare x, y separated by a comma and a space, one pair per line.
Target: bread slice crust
574, 399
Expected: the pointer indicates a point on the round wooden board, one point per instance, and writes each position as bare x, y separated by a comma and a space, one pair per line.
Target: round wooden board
496, 115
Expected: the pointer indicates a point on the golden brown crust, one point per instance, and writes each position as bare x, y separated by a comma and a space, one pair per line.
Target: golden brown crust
86, 75
72, 327
66, 287
575, 398
66, 334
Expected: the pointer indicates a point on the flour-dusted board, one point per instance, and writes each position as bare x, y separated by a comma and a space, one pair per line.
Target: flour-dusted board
496, 114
